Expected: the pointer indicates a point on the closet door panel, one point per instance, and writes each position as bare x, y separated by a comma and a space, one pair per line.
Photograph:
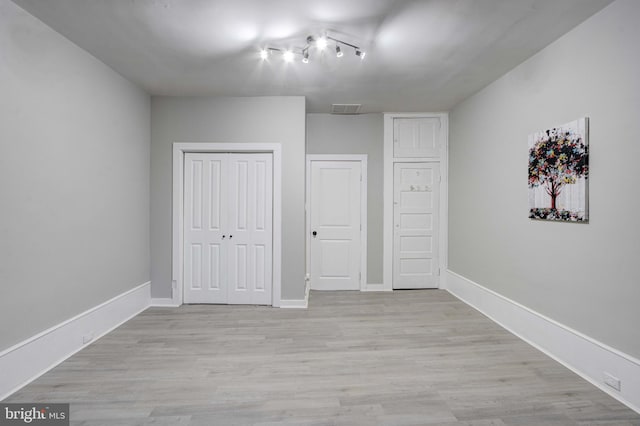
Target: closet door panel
249, 215
204, 224
416, 137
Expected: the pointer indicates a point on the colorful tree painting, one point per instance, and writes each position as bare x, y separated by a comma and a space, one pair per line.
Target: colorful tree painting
558, 157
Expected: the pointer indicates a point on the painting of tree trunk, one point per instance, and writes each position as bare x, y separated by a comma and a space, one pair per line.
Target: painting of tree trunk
558, 173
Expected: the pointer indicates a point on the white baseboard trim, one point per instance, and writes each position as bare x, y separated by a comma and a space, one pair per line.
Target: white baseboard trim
163, 302
375, 287
298, 304
28, 360
581, 354
293, 304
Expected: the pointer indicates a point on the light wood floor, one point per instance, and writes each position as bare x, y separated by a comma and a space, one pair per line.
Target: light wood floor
402, 358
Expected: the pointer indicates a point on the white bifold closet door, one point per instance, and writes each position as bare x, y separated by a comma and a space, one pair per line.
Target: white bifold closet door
228, 228
416, 196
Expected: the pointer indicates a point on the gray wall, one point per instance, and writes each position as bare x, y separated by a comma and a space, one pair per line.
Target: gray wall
582, 275
74, 179
356, 134
231, 120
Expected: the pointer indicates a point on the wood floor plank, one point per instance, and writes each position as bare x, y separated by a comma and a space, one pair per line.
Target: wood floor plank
401, 358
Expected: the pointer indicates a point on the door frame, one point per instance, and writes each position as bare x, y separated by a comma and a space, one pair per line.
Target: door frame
387, 224
362, 158
177, 244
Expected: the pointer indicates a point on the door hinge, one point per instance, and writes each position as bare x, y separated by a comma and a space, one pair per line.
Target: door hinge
439, 178
438, 271
360, 276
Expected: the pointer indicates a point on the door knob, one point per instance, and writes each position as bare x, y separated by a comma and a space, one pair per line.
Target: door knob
230, 236
314, 233
223, 236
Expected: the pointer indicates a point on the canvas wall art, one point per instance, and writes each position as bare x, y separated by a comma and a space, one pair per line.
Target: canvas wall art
558, 173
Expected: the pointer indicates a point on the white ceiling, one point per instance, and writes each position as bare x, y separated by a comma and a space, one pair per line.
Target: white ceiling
421, 55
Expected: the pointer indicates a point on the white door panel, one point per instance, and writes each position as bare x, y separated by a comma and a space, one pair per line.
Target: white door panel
228, 228
204, 258
250, 213
416, 137
416, 214
335, 220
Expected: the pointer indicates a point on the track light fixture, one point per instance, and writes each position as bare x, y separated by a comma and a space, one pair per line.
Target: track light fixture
320, 43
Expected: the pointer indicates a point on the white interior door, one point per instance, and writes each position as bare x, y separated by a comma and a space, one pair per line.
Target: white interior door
416, 222
205, 195
335, 225
228, 228
249, 222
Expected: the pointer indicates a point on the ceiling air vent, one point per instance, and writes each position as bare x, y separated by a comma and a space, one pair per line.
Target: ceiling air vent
345, 108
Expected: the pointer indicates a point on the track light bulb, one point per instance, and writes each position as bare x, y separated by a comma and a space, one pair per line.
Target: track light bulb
264, 54
287, 56
321, 43
305, 57
339, 52
360, 53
